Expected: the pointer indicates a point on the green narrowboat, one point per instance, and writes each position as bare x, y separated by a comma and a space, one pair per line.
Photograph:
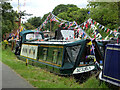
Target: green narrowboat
63, 57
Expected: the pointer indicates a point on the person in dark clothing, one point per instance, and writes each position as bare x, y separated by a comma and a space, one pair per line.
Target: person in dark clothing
18, 47
55, 34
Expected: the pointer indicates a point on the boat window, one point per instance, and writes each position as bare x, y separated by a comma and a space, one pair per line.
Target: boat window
45, 54
51, 54
55, 54
31, 36
67, 34
59, 57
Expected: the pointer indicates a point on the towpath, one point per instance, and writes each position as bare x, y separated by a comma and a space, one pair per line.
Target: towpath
10, 79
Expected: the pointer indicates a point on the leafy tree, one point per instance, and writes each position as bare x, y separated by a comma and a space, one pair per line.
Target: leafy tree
106, 13
63, 15
28, 26
8, 18
80, 15
44, 17
75, 14
68, 12
62, 8
35, 21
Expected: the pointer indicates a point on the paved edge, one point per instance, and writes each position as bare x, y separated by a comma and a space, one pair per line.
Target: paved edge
20, 77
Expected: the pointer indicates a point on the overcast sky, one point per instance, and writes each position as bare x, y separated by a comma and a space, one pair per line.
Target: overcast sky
40, 7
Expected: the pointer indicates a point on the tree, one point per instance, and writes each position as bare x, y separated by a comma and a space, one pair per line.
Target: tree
62, 8
75, 14
8, 18
44, 17
106, 13
28, 26
68, 12
35, 21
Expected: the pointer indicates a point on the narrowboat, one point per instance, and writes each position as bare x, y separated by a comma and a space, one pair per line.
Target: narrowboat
111, 68
60, 56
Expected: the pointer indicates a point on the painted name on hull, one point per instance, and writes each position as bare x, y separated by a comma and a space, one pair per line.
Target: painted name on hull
83, 69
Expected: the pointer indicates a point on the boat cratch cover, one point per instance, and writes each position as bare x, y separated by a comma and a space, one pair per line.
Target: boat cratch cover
111, 70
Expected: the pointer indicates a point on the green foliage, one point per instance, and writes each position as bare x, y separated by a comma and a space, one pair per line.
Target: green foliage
68, 12
44, 17
6, 26
6, 6
55, 26
96, 82
62, 8
8, 18
106, 13
75, 14
35, 21
71, 13
28, 26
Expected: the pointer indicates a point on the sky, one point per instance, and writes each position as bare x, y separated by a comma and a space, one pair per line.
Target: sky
40, 7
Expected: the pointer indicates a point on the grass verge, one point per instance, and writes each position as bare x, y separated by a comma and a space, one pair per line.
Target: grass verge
41, 78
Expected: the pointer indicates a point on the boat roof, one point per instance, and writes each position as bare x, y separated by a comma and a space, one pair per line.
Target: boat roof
29, 31
56, 42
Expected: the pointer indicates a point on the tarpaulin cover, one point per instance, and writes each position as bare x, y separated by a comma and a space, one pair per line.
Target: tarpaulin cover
72, 54
111, 70
75, 52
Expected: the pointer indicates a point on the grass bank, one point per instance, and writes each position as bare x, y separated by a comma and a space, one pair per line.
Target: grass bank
41, 78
